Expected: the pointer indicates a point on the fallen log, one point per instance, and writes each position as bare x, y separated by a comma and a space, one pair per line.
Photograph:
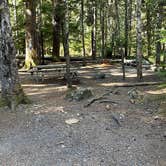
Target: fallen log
116, 85
108, 101
94, 100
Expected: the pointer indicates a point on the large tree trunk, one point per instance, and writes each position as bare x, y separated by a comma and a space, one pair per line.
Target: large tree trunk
148, 27
158, 37
82, 31
56, 29
117, 27
11, 92
139, 40
31, 58
38, 35
126, 28
93, 31
130, 27
65, 33
102, 23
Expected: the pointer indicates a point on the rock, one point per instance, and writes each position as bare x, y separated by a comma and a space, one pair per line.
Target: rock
73, 76
79, 94
132, 101
121, 116
99, 76
135, 95
108, 107
71, 121
156, 117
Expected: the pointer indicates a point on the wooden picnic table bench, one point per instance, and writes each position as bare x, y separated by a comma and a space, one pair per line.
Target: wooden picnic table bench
59, 70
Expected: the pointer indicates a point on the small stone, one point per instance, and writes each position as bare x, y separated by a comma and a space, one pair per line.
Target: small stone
71, 121
132, 101
63, 146
122, 116
156, 117
108, 107
107, 128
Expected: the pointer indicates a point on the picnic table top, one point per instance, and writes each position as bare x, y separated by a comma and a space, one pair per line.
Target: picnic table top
52, 66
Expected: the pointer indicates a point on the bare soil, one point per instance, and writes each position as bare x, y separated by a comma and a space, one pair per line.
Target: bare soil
116, 133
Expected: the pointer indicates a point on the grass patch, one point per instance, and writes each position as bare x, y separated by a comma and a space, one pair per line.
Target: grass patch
162, 86
155, 98
162, 74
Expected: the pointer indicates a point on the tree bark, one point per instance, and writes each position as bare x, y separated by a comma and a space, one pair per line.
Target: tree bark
93, 31
31, 58
11, 93
117, 27
82, 31
126, 28
139, 40
158, 37
56, 29
130, 27
148, 26
102, 23
65, 32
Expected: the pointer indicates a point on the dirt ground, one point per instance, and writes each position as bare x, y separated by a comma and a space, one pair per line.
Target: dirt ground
113, 133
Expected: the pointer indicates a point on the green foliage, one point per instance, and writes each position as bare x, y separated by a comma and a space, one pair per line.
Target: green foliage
162, 74
112, 41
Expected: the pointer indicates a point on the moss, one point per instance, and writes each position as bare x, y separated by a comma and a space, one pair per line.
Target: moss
155, 98
162, 109
3, 103
162, 86
162, 74
22, 99
162, 113
14, 101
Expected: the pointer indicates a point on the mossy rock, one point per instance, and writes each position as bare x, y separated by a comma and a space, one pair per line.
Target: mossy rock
135, 96
79, 94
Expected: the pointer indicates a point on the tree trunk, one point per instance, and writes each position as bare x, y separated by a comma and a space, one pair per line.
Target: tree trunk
130, 27
31, 58
82, 31
148, 26
93, 31
158, 37
12, 93
38, 39
139, 40
123, 65
102, 23
126, 28
56, 29
65, 32
117, 26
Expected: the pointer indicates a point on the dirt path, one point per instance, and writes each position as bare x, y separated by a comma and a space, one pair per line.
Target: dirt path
107, 134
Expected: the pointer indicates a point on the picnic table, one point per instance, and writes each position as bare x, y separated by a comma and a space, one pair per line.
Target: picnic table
59, 70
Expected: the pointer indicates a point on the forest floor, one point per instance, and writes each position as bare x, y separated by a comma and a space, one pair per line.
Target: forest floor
121, 132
